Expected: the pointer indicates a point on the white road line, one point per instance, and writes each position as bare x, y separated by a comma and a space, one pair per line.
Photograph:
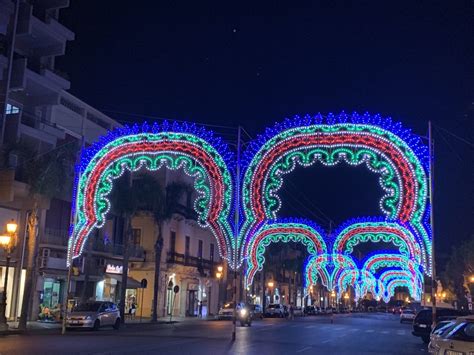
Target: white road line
304, 349
384, 332
400, 332
326, 341
339, 328
310, 326
369, 331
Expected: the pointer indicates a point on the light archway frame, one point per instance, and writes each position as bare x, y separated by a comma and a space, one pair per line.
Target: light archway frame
384, 147
174, 146
282, 231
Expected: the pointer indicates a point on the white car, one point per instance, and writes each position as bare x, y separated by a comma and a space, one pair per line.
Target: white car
457, 338
407, 315
441, 328
275, 310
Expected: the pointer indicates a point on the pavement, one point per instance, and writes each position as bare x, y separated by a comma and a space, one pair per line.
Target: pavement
359, 333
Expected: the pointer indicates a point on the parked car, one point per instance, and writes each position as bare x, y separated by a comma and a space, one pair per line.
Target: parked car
226, 311
437, 332
94, 315
257, 311
423, 320
407, 315
310, 310
275, 310
298, 312
456, 338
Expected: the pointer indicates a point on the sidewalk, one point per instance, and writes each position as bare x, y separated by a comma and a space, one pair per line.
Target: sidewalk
46, 327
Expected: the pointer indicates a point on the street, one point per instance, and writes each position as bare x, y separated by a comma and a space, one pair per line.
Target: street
359, 333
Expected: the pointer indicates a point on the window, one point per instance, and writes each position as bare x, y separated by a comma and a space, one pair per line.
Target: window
136, 236
173, 242
211, 252
200, 249
187, 246
12, 110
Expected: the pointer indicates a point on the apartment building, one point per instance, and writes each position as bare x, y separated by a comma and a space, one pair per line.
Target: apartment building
40, 113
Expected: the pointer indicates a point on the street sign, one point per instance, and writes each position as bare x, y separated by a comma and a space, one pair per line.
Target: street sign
144, 283
176, 289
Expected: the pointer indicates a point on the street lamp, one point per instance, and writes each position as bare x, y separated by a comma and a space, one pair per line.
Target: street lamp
7, 242
219, 274
270, 285
333, 295
471, 278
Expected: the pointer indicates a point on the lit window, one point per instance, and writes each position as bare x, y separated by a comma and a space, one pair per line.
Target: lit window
11, 110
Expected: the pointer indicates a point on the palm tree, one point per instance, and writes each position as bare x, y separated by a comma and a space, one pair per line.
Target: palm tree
163, 211
47, 175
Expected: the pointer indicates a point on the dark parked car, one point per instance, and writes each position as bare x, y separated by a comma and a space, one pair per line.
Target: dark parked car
424, 320
257, 311
310, 311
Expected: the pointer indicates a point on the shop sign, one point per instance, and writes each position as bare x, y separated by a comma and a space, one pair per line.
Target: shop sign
114, 269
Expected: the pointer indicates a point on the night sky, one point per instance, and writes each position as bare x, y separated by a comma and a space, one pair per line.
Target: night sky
226, 64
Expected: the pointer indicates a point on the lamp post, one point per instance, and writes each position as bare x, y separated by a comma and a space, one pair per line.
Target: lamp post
270, 286
219, 277
7, 242
333, 296
346, 300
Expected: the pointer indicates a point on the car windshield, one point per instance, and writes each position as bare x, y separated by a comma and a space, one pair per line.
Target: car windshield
87, 307
444, 328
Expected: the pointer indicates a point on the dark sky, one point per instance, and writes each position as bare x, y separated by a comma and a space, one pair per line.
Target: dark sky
226, 64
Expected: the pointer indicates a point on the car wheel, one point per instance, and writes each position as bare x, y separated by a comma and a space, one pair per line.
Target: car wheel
96, 325
117, 324
426, 339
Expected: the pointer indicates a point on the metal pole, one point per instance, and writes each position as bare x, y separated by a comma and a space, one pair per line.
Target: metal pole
236, 230
69, 254
11, 51
141, 306
433, 265
3, 315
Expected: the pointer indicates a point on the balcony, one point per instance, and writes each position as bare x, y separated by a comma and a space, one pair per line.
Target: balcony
187, 260
134, 251
40, 36
55, 237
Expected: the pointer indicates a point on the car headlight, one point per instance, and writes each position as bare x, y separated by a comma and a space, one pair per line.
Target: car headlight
88, 318
243, 312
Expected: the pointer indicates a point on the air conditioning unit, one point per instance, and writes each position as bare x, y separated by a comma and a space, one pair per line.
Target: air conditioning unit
43, 262
12, 160
101, 262
45, 252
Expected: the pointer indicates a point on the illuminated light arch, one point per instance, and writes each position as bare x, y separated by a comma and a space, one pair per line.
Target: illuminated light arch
317, 266
389, 278
398, 156
291, 230
356, 232
174, 146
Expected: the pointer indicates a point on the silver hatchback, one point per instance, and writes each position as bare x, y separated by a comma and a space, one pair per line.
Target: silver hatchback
94, 315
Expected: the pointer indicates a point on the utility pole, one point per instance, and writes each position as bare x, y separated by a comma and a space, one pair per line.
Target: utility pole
74, 221
11, 51
236, 229
430, 181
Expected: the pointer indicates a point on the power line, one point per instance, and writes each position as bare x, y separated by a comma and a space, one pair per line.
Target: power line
457, 137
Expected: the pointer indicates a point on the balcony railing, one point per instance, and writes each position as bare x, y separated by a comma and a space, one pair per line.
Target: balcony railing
187, 260
134, 251
55, 236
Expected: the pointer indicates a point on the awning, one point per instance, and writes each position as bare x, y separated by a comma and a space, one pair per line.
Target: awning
131, 282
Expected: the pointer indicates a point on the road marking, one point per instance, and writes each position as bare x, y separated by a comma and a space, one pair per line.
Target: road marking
400, 332
304, 349
339, 328
326, 341
384, 332
294, 326
310, 326
369, 331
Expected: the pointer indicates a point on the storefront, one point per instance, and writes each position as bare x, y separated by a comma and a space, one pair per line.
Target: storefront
108, 289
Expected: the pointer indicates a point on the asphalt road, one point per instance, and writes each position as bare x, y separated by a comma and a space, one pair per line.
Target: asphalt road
347, 334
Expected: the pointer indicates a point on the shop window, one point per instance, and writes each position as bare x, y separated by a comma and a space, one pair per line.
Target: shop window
12, 110
173, 242
199, 249
136, 236
187, 246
